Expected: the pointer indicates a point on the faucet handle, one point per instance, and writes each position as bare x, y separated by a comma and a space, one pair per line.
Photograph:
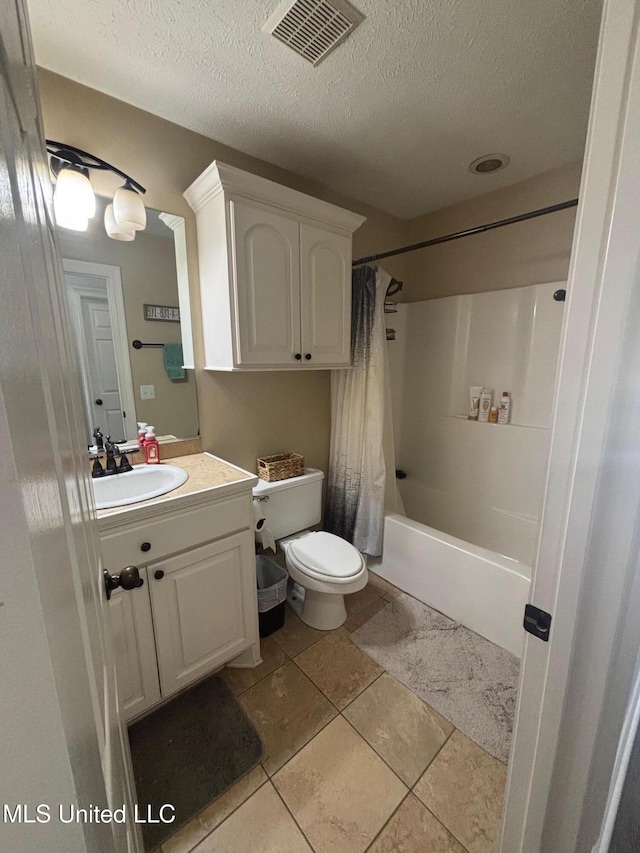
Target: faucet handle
125, 465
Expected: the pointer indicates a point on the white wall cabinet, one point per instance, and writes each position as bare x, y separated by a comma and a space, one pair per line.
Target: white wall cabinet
275, 274
196, 609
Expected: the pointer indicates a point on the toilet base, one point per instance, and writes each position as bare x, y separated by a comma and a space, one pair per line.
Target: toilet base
322, 610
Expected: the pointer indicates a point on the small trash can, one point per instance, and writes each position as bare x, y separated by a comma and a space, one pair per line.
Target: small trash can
272, 594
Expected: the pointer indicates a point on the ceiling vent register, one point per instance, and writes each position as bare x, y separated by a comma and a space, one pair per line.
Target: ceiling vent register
312, 28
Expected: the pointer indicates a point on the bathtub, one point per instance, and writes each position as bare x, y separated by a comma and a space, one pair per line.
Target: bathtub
484, 591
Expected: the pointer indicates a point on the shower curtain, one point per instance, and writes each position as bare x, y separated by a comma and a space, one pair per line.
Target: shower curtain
356, 481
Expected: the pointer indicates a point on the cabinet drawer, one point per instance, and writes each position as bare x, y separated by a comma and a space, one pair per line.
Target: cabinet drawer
147, 541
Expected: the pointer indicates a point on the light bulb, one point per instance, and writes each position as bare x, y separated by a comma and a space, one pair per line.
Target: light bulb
128, 209
67, 216
74, 199
115, 231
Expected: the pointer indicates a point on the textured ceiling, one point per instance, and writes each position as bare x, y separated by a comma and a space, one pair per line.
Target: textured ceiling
392, 117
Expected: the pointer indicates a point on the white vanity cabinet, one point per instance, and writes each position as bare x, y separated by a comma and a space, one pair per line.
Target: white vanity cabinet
200, 609
196, 609
275, 274
134, 649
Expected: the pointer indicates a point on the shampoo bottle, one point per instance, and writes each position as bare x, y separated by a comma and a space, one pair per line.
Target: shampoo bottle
151, 447
485, 404
504, 408
474, 401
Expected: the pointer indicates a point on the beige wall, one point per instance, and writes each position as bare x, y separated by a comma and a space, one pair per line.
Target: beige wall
514, 256
148, 273
241, 415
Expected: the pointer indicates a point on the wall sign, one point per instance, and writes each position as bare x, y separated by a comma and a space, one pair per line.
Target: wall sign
162, 312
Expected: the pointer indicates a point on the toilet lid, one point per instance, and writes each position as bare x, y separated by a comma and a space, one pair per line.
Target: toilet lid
327, 554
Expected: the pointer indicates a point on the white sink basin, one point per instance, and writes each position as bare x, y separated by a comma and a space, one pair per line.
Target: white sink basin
141, 484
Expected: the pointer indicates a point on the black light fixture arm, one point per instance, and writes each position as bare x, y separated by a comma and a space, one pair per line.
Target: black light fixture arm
77, 157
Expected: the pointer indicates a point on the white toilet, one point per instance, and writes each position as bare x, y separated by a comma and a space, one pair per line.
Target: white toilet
325, 566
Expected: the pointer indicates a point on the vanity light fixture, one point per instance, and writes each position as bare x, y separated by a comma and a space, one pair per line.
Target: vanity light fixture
74, 201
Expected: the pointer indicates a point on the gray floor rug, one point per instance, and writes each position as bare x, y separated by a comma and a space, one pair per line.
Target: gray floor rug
467, 679
189, 752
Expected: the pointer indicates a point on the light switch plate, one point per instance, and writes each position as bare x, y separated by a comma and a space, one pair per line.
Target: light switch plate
147, 392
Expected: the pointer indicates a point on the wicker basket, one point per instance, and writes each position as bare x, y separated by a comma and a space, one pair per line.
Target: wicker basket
281, 466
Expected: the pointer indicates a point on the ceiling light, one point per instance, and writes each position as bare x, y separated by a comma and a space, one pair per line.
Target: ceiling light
489, 163
74, 201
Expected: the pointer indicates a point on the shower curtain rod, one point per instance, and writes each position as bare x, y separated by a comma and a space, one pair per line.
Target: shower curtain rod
543, 211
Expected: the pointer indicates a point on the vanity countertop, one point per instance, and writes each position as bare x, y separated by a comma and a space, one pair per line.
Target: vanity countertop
207, 473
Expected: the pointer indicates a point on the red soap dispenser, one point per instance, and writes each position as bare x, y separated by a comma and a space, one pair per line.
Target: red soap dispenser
151, 447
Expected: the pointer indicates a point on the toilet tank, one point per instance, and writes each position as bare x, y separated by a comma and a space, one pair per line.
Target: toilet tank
293, 504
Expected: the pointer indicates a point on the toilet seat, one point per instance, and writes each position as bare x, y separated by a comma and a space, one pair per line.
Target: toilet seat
326, 557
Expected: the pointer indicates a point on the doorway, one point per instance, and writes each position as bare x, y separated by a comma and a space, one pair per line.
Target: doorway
96, 307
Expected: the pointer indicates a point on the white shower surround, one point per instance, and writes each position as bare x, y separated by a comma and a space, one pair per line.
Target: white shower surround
473, 492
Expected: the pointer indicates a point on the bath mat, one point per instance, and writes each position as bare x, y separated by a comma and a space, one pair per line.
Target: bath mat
467, 679
189, 752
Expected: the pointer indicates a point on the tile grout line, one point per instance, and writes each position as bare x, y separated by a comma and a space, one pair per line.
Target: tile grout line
387, 822
448, 738
293, 817
386, 763
317, 686
431, 812
442, 824
233, 811
306, 743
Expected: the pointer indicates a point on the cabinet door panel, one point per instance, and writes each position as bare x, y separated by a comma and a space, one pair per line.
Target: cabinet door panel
266, 262
325, 271
134, 649
204, 609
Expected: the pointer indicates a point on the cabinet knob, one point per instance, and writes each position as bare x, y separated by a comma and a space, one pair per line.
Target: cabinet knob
128, 578
146, 546
308, 356
298, 356
158, 574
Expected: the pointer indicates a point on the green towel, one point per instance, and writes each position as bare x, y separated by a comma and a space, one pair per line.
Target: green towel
172, 354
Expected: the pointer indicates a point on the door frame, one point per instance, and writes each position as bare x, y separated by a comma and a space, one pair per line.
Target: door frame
115, 299
60, 716
574, 689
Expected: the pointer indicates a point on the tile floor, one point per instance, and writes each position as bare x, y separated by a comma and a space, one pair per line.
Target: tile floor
353, 759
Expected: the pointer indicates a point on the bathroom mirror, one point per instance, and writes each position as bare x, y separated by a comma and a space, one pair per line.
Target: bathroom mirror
120, 292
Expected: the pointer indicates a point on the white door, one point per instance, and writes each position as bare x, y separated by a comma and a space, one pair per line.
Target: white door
198, 602
62, 668
574, 688
134, 649
267, 286
105, 395
325, 293
96, 345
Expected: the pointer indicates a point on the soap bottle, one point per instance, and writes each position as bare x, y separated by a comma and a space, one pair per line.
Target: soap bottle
493, 415
151, 447
142, 428
504, 408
